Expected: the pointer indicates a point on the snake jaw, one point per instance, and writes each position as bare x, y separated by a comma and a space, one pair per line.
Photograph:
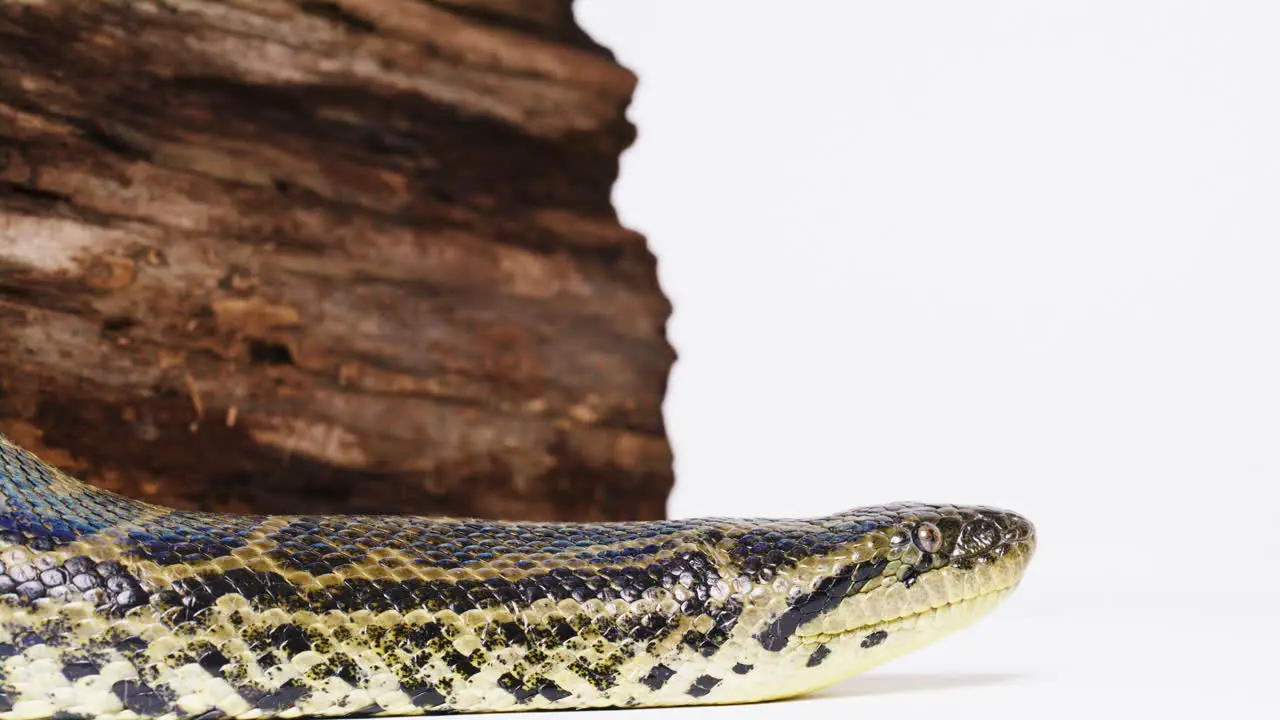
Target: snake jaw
942, 590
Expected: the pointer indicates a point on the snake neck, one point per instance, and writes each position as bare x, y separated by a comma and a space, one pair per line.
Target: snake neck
43, 508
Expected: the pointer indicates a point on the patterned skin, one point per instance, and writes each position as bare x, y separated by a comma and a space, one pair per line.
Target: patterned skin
112, 608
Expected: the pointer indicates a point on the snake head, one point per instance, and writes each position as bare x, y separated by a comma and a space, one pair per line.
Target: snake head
832, 597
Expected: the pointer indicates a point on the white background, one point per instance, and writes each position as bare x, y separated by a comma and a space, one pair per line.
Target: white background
1016, 253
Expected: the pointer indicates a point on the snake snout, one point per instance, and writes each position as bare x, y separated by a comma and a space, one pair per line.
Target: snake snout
992, 530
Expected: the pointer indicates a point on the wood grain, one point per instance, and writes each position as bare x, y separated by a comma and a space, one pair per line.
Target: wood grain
327, 256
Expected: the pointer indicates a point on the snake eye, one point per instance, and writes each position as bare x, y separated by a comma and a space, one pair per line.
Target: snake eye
928, 537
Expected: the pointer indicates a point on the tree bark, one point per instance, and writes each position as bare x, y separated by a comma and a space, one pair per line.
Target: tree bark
327, 256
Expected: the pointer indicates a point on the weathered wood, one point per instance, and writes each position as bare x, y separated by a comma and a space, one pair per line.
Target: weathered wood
327, 256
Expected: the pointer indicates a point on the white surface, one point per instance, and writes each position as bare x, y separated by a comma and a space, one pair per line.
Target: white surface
1023, 254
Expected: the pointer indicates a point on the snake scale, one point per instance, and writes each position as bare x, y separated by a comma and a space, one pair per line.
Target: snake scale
114, 608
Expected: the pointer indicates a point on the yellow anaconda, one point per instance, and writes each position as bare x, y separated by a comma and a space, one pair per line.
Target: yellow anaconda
112, 608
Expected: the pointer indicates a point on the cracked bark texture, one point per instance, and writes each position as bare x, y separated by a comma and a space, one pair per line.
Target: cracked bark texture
327, 256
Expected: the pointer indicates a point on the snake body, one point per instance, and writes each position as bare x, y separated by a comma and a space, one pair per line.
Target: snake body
114, 608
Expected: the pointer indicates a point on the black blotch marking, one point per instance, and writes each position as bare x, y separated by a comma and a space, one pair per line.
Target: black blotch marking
291, 639
909, 576
829, 594
563, 631
513, 633
141, 698
288, 694
213, 662
743, 669
56, 632
335, 12
130, 645
194, 596
710, 642
646, 628
8, 650
874, 639
553, 692
368, 710
703, 685
214, 714
64, 715
818, 656
601, 676
913, 573
347, 669
30, 640
427, 697
461, 663
657, 677
5, 703
517, 688
75, 670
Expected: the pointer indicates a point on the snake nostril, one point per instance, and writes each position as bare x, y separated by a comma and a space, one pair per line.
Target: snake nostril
977, 536
1024, 529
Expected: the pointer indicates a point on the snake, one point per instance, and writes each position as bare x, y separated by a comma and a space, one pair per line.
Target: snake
114, 608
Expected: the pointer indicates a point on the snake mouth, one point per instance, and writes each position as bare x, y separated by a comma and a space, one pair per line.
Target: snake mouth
974, 605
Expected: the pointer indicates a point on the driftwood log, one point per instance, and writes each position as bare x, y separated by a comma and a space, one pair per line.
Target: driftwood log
327, 256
